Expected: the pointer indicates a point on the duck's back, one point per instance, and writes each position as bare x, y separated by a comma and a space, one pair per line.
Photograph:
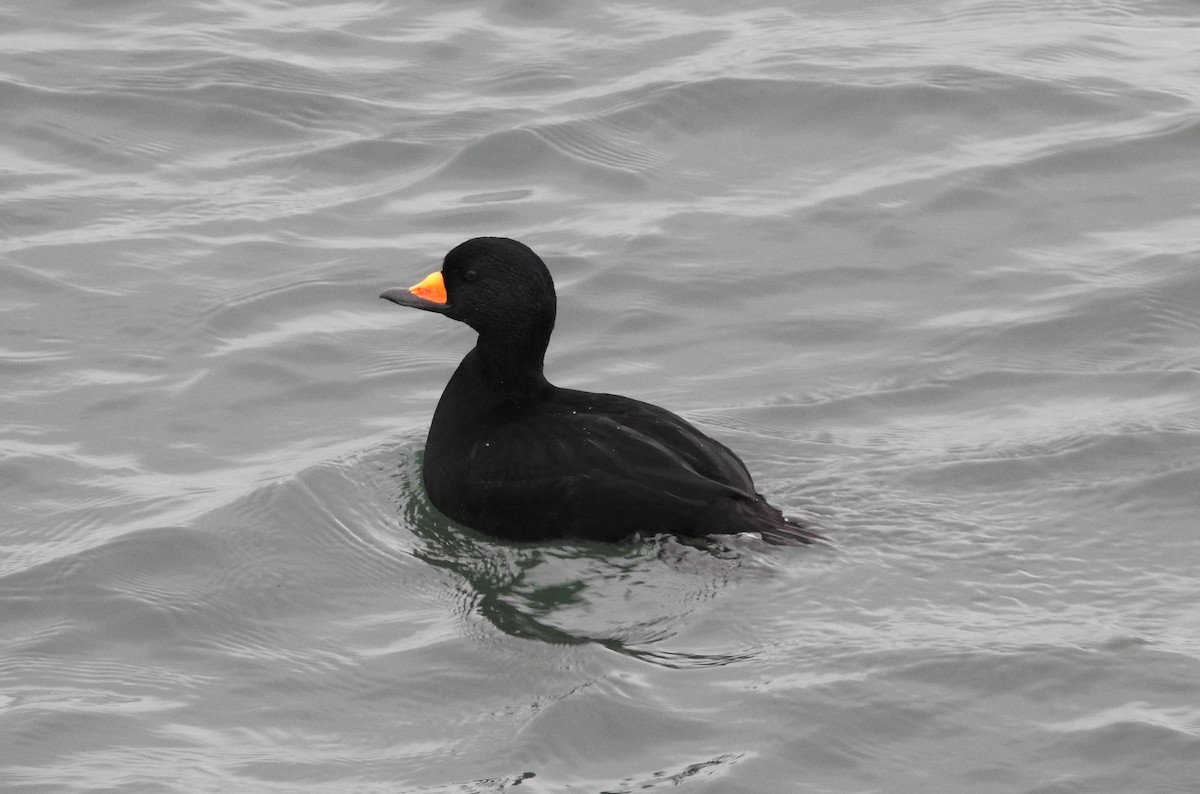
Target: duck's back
597, 466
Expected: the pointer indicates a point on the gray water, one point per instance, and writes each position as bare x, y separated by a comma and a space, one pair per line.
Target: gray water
932, 269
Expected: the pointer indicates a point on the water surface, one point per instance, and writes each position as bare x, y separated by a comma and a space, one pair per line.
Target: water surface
932, 269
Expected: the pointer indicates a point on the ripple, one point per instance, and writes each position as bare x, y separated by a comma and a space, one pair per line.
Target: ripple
932, 275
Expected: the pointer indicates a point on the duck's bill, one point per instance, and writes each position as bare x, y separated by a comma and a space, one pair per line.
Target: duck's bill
429, 295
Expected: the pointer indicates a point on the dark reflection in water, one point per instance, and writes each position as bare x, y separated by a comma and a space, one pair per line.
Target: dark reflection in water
535, 591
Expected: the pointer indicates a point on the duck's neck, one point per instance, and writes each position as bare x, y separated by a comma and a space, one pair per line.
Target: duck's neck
509, 357
504, 373
510, 369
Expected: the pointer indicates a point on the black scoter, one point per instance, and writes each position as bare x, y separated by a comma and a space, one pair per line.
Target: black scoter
511, 455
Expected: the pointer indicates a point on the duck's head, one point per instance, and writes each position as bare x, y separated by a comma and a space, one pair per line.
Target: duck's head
493, 284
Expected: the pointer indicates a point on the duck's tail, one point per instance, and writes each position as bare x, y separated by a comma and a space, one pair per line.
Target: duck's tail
790, 531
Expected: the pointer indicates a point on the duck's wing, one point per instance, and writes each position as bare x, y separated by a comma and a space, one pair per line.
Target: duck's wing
605, 468
582, 486
654, 426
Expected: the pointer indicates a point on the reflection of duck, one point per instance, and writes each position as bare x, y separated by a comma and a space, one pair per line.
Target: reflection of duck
513, 456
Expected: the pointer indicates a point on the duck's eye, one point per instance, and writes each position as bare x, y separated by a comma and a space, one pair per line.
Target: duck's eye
470, 276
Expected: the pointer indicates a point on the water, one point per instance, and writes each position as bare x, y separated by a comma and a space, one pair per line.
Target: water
932, 269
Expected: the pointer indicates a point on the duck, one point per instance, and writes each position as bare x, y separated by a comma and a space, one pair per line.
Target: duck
513, 456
